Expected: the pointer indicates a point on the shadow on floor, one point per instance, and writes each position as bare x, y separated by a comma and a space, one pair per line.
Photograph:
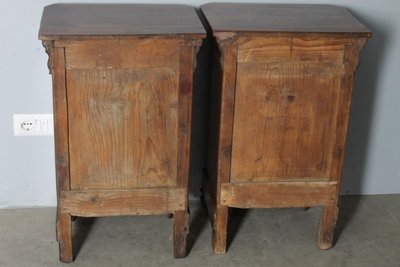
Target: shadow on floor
198, 222
348, 206
235, 220
81, 229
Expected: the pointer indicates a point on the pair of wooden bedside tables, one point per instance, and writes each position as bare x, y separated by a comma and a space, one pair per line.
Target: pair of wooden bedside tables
122, 90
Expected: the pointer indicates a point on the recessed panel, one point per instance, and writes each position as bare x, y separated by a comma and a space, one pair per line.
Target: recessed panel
122, 127
284, 120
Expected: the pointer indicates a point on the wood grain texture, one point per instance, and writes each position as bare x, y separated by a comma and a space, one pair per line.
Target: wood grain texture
289, 49
60, 109
133, 53
327, 225
181, 230
94, 203
123, 127
290, 113
228, 84
122, 82
243, 18
278, 194
228, 56
350, 63
187, 64
64, 236
291, 92
181, 218
106, 21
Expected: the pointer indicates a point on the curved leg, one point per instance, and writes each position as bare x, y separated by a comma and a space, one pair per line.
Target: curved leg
327, 225
181, 230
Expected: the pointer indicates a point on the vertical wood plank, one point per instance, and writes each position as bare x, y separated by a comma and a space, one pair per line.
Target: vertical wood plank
330, 212
228, 50
60, 109
185, 113
181, 230
181, 218
350, 62
228, 61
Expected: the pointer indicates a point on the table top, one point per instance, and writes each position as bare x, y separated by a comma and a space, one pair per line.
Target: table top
60, 21
275, 18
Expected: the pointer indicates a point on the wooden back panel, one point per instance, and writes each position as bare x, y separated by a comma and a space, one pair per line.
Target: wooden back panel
286, 104
136, 54
123, 114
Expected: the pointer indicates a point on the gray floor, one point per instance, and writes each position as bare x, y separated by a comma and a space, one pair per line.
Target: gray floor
368, 234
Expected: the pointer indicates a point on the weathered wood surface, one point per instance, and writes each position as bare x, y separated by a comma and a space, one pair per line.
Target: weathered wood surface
133, 53
63, 220
122, 82
227, 62
289, 112
95, 203
108, 21
278, 194
282, 120
123, 127
251, 19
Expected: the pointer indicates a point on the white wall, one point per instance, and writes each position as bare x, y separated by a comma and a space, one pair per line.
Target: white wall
26, 163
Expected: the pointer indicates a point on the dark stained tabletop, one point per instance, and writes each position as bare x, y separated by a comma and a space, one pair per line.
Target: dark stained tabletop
230, 17
79, 20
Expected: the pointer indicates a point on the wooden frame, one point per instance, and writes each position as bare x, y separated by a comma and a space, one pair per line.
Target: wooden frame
329, 53
86, 203
135, 80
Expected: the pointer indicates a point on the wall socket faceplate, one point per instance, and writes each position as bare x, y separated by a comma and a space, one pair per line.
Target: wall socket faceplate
33, 124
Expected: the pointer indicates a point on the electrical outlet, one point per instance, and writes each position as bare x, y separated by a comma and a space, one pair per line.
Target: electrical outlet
33, 124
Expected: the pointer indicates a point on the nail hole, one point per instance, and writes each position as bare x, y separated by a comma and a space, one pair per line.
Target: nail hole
290, 98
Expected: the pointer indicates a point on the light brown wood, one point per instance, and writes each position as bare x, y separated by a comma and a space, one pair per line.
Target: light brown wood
228, 65
181, 218
60, 119
86, 203
122, 81
289, 49
277, 194
350, 63
282, 118
290, 112
186, 71
64, 236
137, 110
330, 212
123, 53
63, 220
328, 221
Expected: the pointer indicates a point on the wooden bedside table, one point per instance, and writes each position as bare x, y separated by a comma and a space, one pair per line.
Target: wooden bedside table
283, 77
122, 88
